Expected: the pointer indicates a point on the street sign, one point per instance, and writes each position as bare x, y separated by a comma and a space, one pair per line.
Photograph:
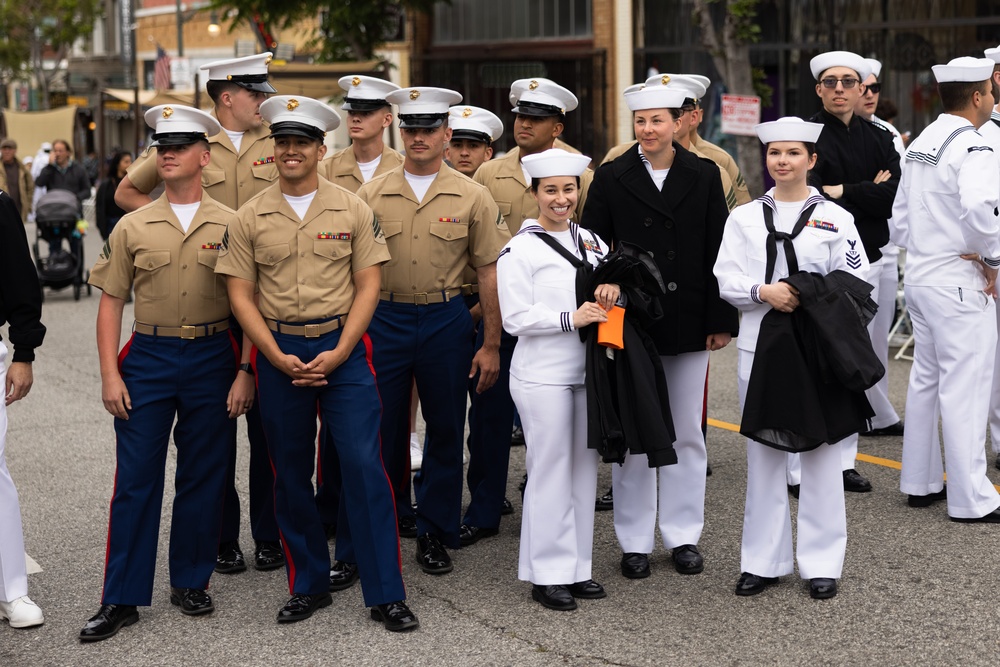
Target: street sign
740, 113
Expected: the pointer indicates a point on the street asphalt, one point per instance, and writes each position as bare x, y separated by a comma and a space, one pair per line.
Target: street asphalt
916, 589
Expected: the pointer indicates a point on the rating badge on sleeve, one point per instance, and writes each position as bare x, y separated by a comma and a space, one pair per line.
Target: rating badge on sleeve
853, 256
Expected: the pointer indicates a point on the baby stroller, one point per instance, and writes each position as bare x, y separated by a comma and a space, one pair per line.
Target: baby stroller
56, 217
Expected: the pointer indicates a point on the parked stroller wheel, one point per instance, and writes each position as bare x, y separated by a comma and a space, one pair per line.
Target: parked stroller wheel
76, 292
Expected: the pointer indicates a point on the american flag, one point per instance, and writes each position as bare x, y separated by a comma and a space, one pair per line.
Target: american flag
161, 70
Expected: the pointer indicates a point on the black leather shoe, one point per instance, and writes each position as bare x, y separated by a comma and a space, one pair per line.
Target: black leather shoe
893, 429
268, 556
793, 491
230, 559
522, 486
432, 557
635, 566
517, 437
992, 517
708, 470
822, 588
855, 483
751, 584
928, 500
687, 559
330, 529
343, 575
396, 616
407, 526
468, 535
587, 590
192, 601
301, 607
996, 464
605, 502
507, 507
553, 597
108, 621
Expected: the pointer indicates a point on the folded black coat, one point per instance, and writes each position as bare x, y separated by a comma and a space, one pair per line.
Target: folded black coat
811, 366
628, 409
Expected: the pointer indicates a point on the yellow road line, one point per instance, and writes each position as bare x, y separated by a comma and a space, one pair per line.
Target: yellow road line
867, 458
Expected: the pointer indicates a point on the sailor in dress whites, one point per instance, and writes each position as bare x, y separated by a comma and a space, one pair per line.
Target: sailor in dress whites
950, 175
368, 116
991, 133
242, 165
538, 301
314, 251
21, 307
668, 201
829, 245
436, 222
181, 361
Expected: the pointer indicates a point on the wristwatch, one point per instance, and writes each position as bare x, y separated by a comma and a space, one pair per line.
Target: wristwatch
246, 368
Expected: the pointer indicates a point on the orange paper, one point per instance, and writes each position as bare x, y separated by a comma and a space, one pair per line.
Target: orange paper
609, 334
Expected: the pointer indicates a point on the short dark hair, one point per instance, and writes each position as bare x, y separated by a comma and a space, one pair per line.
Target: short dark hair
956, 95
535, 182
216, 88
810, 147
886, 109
69, 149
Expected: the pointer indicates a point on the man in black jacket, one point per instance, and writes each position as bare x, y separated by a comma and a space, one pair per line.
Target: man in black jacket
21, 306
858, 168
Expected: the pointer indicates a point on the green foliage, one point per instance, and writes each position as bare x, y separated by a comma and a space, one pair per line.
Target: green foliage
53, 23
761, 88
348, 29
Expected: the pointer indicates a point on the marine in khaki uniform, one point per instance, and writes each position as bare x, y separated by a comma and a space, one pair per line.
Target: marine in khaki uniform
242, 165
436, 222
180, 362
315, 253
540, 108
368, 116
242, 151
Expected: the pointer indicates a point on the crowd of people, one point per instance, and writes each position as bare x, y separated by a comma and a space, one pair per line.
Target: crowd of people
313, 295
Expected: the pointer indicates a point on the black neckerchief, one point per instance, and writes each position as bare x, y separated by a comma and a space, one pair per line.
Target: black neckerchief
583, 268
774, 236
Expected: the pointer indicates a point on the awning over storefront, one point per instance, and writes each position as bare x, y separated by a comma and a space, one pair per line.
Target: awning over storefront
317, 81
152, 98
30, 128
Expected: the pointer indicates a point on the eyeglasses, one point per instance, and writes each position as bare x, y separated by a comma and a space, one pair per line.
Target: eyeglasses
873, 88
849, 82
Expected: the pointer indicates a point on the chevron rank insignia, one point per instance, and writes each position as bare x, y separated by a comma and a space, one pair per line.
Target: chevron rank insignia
853, 256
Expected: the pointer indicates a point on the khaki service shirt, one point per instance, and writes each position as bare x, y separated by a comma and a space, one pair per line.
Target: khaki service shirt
727, 164
230, 178
342, 168
504, 178
303, 268
173, 273
457, 225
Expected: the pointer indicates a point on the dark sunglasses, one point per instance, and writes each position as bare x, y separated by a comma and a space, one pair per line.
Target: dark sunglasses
873, 88
831, 82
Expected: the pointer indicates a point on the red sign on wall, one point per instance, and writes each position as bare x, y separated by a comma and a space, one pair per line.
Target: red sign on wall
740, 113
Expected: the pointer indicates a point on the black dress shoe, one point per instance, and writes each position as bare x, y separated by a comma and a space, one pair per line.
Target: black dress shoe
996, 464
230, 559
343, 575
822, 588
635, 566
793, 491
928, 500
855, 483
523, 485
432, 557
992, 517
468, 535
507, 507
751, 584
407, 526
301, 607
605, 502
517, 437
687, 559
893, 429
587, 590
553, 597
396, 616
708, 470
108, 621
192, 601
330, 529
268, 556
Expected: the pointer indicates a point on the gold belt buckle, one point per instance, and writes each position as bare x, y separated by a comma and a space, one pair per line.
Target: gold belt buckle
189, 332
312, 331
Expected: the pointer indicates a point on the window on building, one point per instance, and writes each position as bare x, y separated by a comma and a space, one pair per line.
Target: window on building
482, 21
